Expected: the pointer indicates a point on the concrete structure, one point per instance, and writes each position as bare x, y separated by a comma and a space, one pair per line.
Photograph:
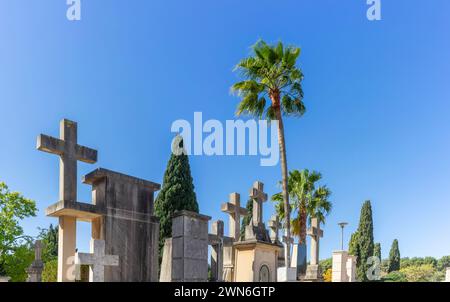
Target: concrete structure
121, 213
286, 273
217, 240
343, 267
256, 258
189, 247
97, 261
298, 258
235, 211
35, 270
69, 152
313, 270
166, 263
447, 275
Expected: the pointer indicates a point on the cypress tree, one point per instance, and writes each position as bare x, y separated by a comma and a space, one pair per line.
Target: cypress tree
377, 250
247, 218
363, 246
177, 194
394, 257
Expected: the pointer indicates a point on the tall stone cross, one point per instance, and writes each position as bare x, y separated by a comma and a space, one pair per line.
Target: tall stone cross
233, 208
97, 260
274, 225
69, 153
316, 233
259, 197
34, 271
217, 240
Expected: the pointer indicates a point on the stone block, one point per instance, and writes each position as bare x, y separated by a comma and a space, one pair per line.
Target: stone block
286, 274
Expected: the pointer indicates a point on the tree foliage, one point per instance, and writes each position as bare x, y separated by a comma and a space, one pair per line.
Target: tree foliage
50, 272
49, 238
361, 242
377, 250
177, 194
394, 257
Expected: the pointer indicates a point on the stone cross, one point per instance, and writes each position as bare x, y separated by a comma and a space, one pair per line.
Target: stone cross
274, 225
97, 260
233, 208
316, 233
69, 152
34, 271
38, 250
217, 240
258, 196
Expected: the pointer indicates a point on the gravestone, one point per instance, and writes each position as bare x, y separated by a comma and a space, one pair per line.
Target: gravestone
121, 213
69, 153
256, 257
447, 275
97, 260
343, 267
313, 271
274, 225
286, 273
35, 270
217, 240
298, 258
235, 211
189, 247
166, 263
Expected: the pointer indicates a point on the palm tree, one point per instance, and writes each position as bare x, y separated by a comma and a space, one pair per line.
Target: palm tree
272, 88
307, 201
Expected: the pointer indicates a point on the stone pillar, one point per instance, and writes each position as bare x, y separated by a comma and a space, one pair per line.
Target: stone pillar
35, 270
351, 268
66, 248
447, 276
166, 264
189, 247
339, 270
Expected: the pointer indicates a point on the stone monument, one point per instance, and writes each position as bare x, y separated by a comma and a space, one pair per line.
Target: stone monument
343, 267
96, 260
35, 270
447, 275
121, 212
256, 257
235, 211
217, 240
313, 271
286, 273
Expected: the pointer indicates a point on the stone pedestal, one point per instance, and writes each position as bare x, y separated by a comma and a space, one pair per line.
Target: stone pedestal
339, 266
189, 247
299, 258
287, 274
313, 273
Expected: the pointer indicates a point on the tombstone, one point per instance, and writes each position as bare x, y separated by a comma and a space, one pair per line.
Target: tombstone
313, 270
256, 229
166, 263
286, 273
121, 213
298, 258
69, 153
447, 275
97, 260
343, 267
274, 226
217, 240
35, 270
189, 247
256, 257
235, 211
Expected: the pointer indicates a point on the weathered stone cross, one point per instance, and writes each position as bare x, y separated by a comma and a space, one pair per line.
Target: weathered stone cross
316, 233
233, 208
217, 240
97, 261
274, 225
258, 196
69, 153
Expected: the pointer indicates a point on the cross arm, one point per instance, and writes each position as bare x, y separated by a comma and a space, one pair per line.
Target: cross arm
50, 144
86, 154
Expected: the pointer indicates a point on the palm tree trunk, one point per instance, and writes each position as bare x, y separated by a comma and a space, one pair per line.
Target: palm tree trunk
284, 172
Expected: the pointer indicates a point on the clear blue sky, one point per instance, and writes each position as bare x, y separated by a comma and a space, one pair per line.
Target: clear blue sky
377, 96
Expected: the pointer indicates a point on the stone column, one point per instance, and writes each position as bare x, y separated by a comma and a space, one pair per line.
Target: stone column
339, 266
35, 270
189, 247
66, 248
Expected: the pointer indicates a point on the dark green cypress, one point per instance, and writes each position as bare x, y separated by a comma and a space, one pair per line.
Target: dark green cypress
247, 218
363, 246
377, 250
177, 194
394, 257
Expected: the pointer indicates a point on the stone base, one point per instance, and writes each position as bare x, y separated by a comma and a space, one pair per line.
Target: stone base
313, 273
287, 274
